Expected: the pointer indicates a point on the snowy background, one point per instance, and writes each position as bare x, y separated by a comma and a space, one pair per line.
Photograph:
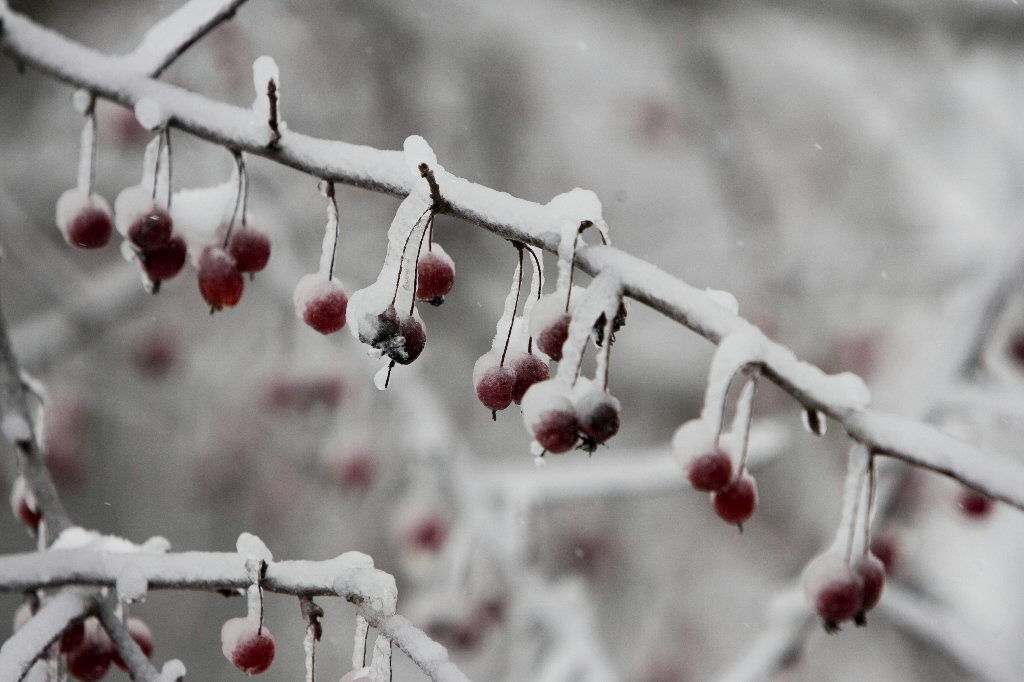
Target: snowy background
851, 172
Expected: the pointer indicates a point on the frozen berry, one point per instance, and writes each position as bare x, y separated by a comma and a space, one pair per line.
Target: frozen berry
435, 275
711, 471
551, 339
90, 660
597, 412
735, 501
250, 248
150, 230
321, 303
973, 505
164, 261
407, 345
871, 571
549, 324
85, 221
529, 369
142, 635
494, 384
550, 416
833, 588
72, 636
220, 282
249, 647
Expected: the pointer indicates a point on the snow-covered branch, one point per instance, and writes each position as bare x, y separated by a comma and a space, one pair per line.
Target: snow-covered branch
171, 36
350, 576
126, 81
26, 645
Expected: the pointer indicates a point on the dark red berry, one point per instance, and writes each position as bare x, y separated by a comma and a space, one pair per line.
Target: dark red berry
23, 505
834, 589
357, 470
154, 352
598, 420
435, 276
428, 533
735, 501
151, 230
529, 369
973, 505
90, 660
551, 339
872, 572
90, 228
250, 248
885, 546
220, 282
710, 472
495, 388
321, 303
249, 647
164, 261
1016, 347
72, 636
409, 342
556, 430
142, 635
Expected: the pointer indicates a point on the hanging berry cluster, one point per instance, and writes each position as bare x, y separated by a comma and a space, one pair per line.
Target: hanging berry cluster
844, 582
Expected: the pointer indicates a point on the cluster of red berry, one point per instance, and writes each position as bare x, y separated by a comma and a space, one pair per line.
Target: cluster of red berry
840, 588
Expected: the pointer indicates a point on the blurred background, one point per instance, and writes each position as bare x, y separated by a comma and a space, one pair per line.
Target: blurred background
849, 171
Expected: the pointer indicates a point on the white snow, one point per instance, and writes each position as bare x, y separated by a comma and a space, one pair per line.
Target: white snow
501, 330
417, 151
602, 296
693, 438
149, 114
131, 202
545, 396
487, 361
173, 671
264, 70
199, 213
71, 203
357, 675
81, 100
359, 646
131, 586
724, 299
252, 547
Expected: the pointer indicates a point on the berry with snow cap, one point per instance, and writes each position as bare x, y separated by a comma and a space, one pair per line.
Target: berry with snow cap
84, 220
550, 417
435, 275
220, 282
247, 644
735, 501
321, 303
250, 248
834, 589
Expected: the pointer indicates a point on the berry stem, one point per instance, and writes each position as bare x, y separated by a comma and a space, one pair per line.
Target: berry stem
429, 227
401, 259
746, 411
869, 508
240, 193
517, 279
275, 133
332, 233
87, 158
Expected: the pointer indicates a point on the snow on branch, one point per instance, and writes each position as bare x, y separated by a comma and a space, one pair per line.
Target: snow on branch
175, 33
840, 398
350, 576
30, 641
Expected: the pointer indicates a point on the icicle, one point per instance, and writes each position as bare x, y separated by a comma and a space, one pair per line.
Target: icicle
359, 649
380, 663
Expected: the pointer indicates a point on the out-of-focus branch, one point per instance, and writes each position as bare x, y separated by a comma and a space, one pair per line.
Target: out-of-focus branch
30, 641
171, 36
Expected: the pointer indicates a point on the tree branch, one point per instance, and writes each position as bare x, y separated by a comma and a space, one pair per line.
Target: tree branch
30, 641
512, 218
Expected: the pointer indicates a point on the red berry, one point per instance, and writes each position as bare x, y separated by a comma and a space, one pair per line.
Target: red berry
428, 533
249, 647
220, 282
598, 416
150, 230
72, 636
710, 472
973, 505
407, 345
164, 261
872, 572
435, 275
834, 589
355, 471
1016, 347
90, 660
250, 248
886, 547
321, 303
529, 369
495, 388
735, 501
557, 431
90, 229
142, 635
552, 337
155, 352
